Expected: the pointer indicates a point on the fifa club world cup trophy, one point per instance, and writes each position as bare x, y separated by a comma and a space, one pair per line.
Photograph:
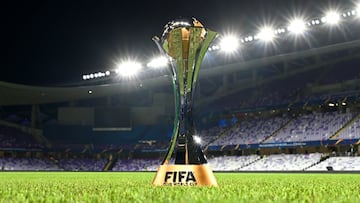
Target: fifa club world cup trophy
185, 42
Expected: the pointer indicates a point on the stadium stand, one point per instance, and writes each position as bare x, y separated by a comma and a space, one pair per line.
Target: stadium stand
82, 164
136, 165
28, 164
314, 126
347, 163
284, 162
211, 134
252, 131
352, 131
14, 138
231, 163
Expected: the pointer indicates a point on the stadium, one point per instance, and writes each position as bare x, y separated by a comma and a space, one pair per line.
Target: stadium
277, 113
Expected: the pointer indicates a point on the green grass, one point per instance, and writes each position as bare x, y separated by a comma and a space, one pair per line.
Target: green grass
136, 187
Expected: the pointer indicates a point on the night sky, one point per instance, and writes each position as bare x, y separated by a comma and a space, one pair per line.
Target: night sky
55, 42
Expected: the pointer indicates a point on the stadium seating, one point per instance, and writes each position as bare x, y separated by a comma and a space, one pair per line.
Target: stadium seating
27, 164
82, 164
231, 163
314, 126
14, 138
275, 162
352, 131
283, 162
208, 135
252, 131
350, 163
136, 165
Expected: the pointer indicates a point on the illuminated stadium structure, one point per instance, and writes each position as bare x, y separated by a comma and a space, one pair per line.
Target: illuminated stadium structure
283, 98
298, 27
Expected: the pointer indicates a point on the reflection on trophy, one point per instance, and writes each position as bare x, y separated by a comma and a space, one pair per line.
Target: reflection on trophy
186, 43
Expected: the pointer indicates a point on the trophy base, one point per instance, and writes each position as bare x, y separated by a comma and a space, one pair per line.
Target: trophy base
184, 175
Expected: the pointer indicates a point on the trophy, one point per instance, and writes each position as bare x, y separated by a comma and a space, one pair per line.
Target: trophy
185, 42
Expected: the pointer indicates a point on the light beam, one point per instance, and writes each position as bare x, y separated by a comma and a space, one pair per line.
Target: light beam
229, 43
128, 68
297, 26
266, 34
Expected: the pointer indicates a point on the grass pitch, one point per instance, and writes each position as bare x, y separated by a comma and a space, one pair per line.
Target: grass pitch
136, 187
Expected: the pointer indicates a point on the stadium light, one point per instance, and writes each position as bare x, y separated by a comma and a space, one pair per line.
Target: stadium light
353, 12
95, 75
249, 38
128, 68
197, 139
331, 18
297, 26
214, 48
158, 62
266, 34
229, 43
279, 31
314, 22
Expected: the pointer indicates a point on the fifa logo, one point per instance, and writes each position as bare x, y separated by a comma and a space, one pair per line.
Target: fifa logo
179, 178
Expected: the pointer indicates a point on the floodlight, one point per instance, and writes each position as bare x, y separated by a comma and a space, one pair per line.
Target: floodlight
331, 17
158, 62
197, 139
91, 75
249, 38
84, 77
128, 68
215, 47
267, 34
297, 26
279, 31
229, 43
107, 73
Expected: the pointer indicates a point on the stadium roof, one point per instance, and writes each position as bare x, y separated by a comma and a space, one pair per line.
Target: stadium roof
16, 94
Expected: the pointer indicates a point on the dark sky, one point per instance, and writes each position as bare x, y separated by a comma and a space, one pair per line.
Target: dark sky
56, 41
